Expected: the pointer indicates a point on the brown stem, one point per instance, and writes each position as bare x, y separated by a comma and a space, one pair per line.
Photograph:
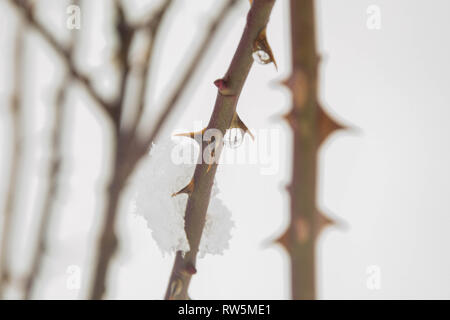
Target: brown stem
16, 160
310, 126
224, 110
303, 185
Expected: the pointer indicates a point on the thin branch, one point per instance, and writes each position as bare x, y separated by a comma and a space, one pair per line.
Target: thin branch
125, 34
56, 146
224, 111
153, 28
107, 243
64, 53
16, 159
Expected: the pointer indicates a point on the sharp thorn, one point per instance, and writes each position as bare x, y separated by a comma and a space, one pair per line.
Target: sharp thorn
188, 189
326, 125
283, 240
324, 221
261, 44
193, 135
237, 123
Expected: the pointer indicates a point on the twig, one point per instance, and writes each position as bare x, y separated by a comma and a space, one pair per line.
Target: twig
224, 111
108, 240
56, 146
152, 27
65, 54
16, 159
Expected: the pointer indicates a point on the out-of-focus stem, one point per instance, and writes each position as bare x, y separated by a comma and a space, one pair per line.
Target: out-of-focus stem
303, 185
26, 11
56, 146
15, 161
310, 126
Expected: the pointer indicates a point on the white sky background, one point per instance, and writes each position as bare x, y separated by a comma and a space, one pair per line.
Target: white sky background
388, 180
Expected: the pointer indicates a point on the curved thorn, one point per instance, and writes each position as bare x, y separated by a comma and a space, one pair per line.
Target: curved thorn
262, 44
188, 189
237, 123
222, 86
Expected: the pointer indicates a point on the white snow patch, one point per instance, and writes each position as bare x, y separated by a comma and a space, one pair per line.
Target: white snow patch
153, 184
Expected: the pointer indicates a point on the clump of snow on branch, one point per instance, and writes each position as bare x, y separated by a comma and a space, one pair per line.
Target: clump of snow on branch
162, 174
216, 233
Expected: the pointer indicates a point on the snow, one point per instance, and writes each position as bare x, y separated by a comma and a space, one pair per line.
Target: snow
157, 178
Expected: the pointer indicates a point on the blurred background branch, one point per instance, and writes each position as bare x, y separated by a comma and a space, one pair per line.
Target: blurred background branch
16, 159
310, 126
55, 163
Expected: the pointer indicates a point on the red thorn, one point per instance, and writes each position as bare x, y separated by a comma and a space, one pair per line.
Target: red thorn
191, 269
223, 87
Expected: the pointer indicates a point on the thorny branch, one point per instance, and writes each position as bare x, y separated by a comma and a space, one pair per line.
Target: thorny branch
229, 89
140, 146
311, 126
